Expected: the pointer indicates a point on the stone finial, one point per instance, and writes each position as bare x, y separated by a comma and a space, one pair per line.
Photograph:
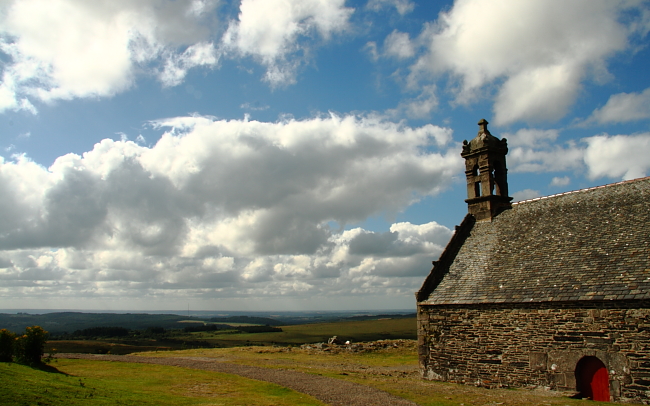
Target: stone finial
483, 125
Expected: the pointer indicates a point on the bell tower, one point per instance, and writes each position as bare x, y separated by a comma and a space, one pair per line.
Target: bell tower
486, 173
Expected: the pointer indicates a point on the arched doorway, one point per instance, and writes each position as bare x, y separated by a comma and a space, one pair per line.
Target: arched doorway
592, 379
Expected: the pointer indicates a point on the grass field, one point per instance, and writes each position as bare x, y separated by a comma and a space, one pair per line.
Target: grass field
80, 382
393, 369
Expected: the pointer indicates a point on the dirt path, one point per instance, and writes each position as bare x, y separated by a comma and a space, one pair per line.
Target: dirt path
332, 391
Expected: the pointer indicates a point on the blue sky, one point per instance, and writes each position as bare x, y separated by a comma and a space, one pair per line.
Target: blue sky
290, 154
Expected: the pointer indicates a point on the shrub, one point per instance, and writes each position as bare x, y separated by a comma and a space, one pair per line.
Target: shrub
7, 340
29, 347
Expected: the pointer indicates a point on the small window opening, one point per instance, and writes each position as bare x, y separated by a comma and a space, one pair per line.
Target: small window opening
477, 189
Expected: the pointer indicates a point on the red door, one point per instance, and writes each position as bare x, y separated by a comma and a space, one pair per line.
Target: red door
592, 379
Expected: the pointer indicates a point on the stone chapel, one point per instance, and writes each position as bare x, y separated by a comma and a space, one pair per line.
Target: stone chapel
552, 292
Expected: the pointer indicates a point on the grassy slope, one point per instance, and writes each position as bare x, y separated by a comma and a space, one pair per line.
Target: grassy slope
115, 383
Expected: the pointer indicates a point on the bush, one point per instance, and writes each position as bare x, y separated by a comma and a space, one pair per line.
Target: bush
28, 348
7, 340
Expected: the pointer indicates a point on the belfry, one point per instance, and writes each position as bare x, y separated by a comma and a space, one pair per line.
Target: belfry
486, 173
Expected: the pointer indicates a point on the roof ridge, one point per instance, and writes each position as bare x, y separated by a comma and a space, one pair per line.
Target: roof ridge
581, 190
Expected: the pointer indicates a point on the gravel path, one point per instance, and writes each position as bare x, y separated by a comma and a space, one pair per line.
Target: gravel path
335, 392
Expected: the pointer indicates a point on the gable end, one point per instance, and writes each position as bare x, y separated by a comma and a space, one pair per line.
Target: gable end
441, 266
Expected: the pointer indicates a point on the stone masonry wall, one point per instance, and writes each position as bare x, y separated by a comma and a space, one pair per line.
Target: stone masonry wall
537, 345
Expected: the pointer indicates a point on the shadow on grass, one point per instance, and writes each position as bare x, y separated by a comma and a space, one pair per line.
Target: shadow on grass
47, 368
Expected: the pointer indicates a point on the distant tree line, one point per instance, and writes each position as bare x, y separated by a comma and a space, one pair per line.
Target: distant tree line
259, 329
102, 332
110, 332
265, 321
153, 332
206, 327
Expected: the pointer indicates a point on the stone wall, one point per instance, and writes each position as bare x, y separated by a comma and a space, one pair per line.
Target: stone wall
537, 344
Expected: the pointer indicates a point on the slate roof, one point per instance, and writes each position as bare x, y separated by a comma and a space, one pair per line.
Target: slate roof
591, 244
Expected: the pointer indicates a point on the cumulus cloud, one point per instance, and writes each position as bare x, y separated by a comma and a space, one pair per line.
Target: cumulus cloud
64, 49
560, 181
227, 208
618, 156
533, 150
398, 45
273, 32
536, 54
623, 107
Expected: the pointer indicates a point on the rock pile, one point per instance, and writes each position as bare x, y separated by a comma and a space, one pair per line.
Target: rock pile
336, 345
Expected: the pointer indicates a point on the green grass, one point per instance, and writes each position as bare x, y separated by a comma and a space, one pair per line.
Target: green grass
82, 382
393, 370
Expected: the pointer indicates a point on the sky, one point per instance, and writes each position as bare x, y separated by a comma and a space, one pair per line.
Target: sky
290, 154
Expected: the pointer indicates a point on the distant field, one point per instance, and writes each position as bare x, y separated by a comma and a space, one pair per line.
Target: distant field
364, 330
68, 322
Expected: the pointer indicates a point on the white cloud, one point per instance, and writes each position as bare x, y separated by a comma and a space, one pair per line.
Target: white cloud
227, 208
533, 150
254, 107
525, 195
417, 107
177, 65
616, 156
398, 45
273, 32
563, 181
402, 6
535, 53
623, 107
538, 94
63, 49
532, 137
371, 49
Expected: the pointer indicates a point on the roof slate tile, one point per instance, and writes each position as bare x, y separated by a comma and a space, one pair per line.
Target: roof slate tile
591, 244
